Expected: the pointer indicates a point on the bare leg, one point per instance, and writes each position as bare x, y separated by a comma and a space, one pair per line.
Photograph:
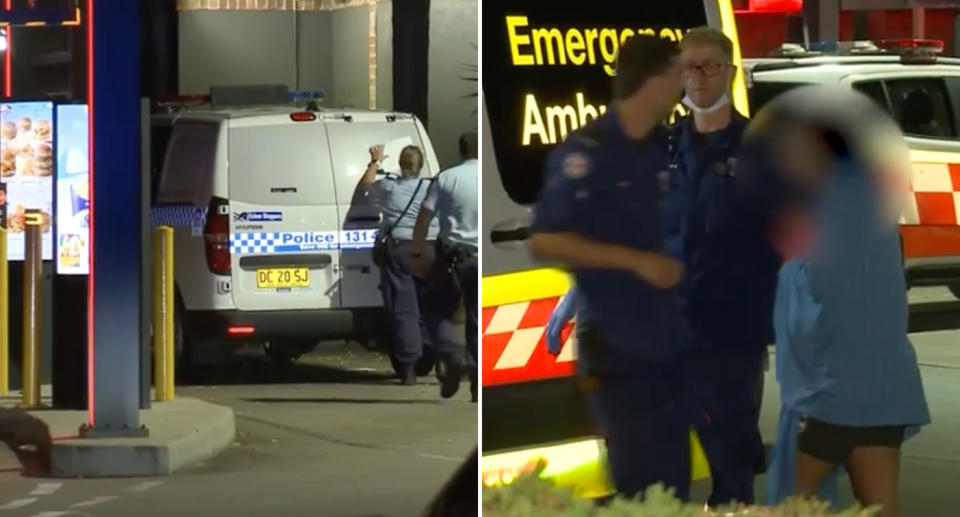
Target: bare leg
810, 474
873, 474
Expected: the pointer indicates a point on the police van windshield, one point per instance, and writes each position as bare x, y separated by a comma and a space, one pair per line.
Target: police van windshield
547, 68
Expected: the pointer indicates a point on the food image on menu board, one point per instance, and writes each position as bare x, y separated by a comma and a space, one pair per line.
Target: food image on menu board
26, 148
72, 248
17, 220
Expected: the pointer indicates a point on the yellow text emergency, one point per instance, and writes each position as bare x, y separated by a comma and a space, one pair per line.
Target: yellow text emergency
551, 46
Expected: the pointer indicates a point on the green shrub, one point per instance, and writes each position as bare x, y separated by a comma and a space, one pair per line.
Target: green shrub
531, 496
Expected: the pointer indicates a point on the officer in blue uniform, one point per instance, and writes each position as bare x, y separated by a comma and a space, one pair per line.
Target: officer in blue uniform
601, 215
720, 233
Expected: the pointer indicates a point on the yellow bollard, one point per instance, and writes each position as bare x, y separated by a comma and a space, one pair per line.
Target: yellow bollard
32, 269
4, 316
163, 351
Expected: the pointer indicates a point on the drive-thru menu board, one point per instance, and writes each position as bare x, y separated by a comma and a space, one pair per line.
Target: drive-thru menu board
73, 200
26, 167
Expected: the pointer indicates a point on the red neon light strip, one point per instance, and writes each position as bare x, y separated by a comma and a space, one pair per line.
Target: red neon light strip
92, 211
7, 59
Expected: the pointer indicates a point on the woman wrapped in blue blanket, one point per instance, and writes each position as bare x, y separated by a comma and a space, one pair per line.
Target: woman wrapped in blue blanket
850, 385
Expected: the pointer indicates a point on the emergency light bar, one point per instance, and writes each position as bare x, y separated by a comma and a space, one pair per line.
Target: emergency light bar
909, 50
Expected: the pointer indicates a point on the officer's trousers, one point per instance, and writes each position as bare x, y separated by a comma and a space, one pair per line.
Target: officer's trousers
644, 411
727, 425
445, 291
402, 299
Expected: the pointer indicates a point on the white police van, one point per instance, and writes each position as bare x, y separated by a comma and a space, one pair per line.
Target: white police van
270, 245
921, 91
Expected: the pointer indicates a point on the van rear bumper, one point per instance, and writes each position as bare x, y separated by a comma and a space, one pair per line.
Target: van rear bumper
298, 324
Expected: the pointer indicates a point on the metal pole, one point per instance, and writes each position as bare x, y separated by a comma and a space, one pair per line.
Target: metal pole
4, 314
163, 353
32, 264
116, 272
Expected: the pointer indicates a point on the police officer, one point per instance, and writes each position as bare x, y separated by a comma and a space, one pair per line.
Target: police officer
398, 199
600, 214
731, 267
453, 198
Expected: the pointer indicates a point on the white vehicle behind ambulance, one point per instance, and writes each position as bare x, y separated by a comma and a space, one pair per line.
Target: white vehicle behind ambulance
270, 245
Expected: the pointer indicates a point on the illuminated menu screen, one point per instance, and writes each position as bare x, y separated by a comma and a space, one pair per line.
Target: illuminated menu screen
547, 70
26, 167
73, 200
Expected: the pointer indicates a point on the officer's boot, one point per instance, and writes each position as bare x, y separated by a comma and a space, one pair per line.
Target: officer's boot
452, 375
408, 375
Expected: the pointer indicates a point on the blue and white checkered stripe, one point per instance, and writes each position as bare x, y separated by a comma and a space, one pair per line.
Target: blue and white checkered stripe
259, 243
179, 216
262, 243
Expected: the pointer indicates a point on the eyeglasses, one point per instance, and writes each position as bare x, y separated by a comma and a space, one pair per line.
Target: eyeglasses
706, 69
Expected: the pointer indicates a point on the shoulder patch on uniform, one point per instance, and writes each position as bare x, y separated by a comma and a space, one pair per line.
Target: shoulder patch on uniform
576, 165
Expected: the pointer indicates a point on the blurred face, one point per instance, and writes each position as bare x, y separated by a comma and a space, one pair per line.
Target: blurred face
706, 74
801, 155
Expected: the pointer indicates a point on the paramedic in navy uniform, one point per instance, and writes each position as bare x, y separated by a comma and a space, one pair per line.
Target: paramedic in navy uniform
398, 199
601, 215
720, 232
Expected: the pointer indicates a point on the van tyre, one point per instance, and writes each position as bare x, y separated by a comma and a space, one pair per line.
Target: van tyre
183, 357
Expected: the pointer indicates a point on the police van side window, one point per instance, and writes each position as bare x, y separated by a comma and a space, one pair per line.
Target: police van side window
159, 140
922, 107
189, 162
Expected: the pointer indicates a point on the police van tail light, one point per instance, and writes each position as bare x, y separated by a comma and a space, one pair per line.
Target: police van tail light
216, 235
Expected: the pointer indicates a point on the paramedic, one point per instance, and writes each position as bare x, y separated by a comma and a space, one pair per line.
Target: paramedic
453, 198
731, 267
399, 199
600, 214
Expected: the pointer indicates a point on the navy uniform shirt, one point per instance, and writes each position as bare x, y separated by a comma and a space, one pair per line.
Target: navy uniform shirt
604, 186
731, 268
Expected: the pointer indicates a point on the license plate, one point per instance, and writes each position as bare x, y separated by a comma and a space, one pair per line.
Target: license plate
279, 278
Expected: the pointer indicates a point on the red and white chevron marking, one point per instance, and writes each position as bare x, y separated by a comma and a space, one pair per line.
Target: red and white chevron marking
935, 195
514, 344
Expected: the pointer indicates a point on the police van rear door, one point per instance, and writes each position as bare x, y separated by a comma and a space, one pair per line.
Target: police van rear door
283, 214
350, 136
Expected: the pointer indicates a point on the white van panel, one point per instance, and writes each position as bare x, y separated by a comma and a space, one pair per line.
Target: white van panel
194, 159
283, 214
349, 150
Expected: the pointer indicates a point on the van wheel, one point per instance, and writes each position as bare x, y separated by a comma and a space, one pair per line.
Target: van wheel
183, 357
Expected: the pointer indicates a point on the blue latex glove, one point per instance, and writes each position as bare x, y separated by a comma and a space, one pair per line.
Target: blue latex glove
559, 319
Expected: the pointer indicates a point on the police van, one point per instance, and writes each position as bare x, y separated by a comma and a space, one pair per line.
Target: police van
547, 70
270, 246
921, 91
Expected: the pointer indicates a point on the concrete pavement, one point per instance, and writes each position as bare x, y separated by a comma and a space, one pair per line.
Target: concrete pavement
331, 435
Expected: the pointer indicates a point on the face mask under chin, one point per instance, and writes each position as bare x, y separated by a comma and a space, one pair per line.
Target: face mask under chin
720, 103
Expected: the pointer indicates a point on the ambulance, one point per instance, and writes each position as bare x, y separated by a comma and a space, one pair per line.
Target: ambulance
546, 71
271, 247
921, 91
